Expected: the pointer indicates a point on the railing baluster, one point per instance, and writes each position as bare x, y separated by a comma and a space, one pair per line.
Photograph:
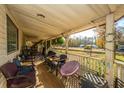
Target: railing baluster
90, 63
103, 68
122, 71
119, 71
87, 69
81, 63
85, 62
100, 68
115, 70
94, 65
97, 66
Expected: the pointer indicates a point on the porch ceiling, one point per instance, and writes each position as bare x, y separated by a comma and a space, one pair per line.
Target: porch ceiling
59, 18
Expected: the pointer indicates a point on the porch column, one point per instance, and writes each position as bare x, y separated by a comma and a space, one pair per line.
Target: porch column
66, 45
50, 43
109, 48
45, 47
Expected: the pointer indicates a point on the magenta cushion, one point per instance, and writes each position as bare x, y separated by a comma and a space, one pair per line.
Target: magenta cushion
69, 68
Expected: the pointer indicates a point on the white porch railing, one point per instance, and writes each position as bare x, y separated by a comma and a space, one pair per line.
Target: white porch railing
119, 69
88, 63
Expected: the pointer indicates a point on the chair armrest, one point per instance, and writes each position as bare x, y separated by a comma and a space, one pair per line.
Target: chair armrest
18, 76
26, 64
62, 59
29, 60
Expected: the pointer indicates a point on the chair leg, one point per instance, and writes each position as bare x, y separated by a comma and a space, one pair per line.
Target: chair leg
77, 75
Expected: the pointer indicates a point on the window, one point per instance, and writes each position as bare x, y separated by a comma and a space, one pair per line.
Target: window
12, 36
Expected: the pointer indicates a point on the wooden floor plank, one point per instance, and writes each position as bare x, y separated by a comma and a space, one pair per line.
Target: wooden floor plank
49, 80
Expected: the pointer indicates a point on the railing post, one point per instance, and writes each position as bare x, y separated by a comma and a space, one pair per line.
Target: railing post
119, 71
109, 48
67, 39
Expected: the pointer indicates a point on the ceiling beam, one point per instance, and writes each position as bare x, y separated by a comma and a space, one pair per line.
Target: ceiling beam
112, 7
110, 11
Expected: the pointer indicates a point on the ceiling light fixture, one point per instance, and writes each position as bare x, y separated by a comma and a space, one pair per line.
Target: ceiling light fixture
41, 15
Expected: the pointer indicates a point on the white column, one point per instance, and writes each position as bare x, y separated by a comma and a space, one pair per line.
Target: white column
66, 45
109, 48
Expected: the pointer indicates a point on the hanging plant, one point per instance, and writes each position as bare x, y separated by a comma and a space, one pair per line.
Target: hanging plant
60, 40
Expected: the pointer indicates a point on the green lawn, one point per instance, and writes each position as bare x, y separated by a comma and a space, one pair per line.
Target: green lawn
120, 57
98, 55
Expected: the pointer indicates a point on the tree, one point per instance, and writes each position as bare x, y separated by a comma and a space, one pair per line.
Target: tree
100, 42
119, 35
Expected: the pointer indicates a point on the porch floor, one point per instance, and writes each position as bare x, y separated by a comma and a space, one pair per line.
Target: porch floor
51, 81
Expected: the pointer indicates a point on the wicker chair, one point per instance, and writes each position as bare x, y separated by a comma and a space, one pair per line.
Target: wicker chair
15, 80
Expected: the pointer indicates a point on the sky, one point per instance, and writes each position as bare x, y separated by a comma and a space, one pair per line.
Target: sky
88, 33
91, 33
120, 22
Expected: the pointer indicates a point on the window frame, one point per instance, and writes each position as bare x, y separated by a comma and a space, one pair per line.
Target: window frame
17, 37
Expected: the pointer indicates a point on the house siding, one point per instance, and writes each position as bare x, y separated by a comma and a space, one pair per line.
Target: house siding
4, 57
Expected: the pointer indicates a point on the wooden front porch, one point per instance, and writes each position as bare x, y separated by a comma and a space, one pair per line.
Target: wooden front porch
39, 26
87, 64
51, 81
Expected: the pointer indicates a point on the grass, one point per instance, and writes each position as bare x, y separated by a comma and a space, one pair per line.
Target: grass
120, 57
100, 55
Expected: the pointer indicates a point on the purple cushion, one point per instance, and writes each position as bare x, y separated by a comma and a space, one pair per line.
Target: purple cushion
69, 68
9, 69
